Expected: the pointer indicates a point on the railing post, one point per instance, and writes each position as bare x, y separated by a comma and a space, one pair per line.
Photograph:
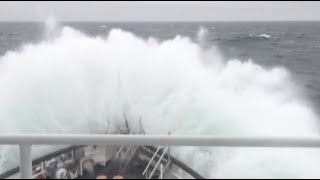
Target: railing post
159, 161
161, 171
25, 161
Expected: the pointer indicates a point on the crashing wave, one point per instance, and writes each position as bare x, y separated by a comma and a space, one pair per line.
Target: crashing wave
74, 83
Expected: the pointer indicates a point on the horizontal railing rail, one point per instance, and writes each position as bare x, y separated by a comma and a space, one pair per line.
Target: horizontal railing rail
26, 141
159, 140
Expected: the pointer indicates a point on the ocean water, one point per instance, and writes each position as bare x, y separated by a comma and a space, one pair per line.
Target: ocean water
235, 78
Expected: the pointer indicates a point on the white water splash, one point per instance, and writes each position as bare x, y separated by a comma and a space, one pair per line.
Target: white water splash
265, 36
202, 36
77, 84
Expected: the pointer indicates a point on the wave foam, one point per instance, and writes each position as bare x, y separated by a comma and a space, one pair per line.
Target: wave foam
77, 84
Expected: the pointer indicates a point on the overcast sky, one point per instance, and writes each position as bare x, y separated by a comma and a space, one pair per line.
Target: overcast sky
160, 11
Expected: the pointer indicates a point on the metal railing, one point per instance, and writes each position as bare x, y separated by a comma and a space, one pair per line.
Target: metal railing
26, 141
165, 150
159, 161
151, 160
121, 148
161, 172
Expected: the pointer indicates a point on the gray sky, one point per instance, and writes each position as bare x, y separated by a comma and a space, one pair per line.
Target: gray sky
160, 11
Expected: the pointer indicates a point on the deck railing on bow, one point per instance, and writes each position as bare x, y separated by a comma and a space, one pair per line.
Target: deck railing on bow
26, 141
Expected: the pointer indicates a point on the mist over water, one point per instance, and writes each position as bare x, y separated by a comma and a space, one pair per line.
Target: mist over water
74, 83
